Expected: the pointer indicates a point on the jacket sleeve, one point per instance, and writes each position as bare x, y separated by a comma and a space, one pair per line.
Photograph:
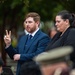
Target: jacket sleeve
10, 51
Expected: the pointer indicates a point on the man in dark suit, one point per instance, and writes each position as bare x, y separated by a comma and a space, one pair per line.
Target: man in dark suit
28, 47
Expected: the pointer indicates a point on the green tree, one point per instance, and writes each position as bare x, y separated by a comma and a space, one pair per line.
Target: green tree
10, 15
68, 5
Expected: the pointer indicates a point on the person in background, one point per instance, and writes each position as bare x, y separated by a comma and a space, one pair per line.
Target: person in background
22, 34
52, 31
4, 70
65, 25
30, 68
29, 45
1, 66
55, 61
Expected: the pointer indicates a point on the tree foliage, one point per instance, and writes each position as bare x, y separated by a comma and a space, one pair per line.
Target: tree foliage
68, 5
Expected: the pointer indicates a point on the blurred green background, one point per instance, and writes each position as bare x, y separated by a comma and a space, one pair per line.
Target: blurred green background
12, 13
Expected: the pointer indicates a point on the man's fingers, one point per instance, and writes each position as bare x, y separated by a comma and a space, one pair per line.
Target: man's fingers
6, 32
10, 33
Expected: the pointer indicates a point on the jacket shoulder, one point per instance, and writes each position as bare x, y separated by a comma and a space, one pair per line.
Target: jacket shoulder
72, 31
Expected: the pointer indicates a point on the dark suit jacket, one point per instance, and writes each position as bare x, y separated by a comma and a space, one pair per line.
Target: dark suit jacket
36, 46
67, 39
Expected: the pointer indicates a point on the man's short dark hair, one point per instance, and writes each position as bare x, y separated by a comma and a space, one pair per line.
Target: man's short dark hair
35, 16
30, 68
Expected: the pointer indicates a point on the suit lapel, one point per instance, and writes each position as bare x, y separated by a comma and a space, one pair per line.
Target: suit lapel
22, 43
31, 42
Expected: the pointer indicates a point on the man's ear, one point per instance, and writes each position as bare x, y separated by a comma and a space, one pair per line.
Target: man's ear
38, 23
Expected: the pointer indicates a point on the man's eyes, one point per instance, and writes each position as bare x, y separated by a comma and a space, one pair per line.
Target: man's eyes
29, 22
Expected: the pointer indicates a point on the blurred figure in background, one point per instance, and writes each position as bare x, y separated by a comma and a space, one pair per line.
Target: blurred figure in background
30, 68
55, 62
23, 33
4, 70
1, 66
52, 31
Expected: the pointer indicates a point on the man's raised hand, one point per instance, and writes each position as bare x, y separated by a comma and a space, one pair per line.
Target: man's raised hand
7, 38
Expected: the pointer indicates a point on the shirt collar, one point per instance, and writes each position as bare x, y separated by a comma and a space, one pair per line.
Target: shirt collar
26, 32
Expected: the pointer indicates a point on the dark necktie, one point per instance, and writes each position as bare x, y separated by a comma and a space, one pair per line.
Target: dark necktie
29, 39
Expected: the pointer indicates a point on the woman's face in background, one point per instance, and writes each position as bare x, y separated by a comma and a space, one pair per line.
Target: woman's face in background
61, 24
